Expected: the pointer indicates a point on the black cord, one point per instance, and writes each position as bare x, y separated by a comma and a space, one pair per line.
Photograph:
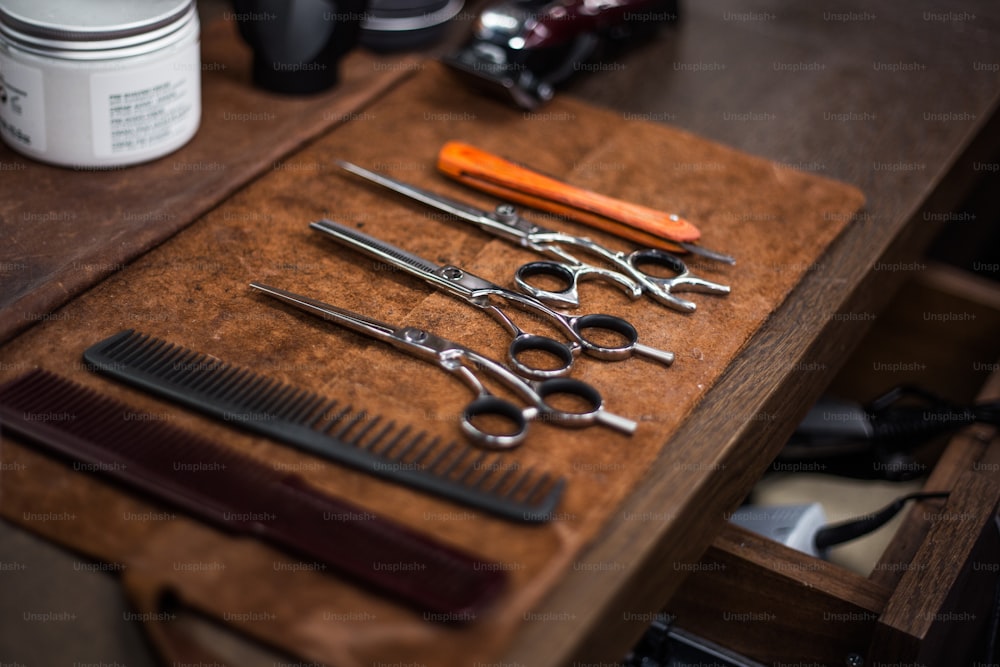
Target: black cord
845, 531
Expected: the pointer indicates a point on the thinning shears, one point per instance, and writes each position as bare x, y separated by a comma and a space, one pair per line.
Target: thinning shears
489, 420
627, 272
589, 333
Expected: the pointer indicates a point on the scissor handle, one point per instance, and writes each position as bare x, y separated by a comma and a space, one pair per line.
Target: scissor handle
656, 257
682, 280
494, 422
619, 329
526, 349
565, 295
587, 408
568, 278
614, 328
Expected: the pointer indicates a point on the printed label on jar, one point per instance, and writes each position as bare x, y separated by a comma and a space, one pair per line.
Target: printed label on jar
22, 105
144, 109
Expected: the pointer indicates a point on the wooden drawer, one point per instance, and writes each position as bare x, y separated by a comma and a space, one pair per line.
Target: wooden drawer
929, 596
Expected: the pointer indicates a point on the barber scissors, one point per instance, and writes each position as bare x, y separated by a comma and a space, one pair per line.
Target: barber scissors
489, 420
629, 270
586, 332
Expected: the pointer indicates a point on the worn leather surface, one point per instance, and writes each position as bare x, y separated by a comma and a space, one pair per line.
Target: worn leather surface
65, 229
193, 291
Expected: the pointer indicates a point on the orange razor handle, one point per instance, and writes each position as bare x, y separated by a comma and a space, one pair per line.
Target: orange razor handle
489, 172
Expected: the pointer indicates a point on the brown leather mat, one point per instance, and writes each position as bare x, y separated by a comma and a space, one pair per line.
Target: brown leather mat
64, 229
193, 291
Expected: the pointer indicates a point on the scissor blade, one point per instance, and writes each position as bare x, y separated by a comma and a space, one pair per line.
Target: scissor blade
449, 278
696, 249
379, 249
354, 321
456, 208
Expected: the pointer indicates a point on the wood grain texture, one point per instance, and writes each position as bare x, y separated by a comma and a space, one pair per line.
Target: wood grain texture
774, 604
945, 598
778, 605
719, 72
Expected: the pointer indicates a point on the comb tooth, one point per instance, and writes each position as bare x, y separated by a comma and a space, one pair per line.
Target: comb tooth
30, 396
305, 407
91, 415
349, 423
363, 431
286, 399
204, 371
314, 424
123, 342
469, 468
72, 400
291, 404
500, 480
458, 459
218, 380
521, 479
166, 363
188, 369
333, 421
248, 388
260, 399
275, 398
441, 456
177, 366
381, 436
486, 471
154, 357
26, 392
139, 350
132, 347
370, 446
233, 385
404, 450
536, 487
418, 459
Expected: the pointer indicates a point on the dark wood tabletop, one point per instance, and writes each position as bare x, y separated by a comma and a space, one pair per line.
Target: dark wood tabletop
897, 98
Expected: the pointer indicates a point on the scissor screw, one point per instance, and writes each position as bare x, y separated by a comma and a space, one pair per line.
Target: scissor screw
506, 212
415, 335
452, 273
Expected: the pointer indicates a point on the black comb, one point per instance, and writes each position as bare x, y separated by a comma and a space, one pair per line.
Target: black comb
246, 496
318, 425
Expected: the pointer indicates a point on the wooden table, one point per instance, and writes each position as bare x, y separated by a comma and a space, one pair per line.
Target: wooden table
899, 100
861, 94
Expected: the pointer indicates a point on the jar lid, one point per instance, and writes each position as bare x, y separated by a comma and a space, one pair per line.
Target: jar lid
89, 20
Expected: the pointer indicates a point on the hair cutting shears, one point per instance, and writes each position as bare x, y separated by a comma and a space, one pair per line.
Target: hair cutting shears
488, 420
629, 270
587, 332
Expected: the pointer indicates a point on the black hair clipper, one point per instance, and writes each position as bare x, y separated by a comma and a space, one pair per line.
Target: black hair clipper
521, 49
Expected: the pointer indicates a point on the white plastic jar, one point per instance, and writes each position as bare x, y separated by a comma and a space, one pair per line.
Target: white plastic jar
99, 83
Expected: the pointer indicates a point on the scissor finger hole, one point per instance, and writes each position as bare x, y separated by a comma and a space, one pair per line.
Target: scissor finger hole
540, 356
494, 422
606, 333
657, 263
546, 277
569, 396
